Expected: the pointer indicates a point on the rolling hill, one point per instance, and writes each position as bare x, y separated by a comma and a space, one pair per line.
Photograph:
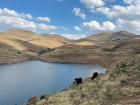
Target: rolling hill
118, 51
98, 48
47, 40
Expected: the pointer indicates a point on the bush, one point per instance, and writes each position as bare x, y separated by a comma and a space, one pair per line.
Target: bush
45, 51
18, 52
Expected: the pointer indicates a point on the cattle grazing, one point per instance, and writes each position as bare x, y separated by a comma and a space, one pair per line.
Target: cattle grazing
95, 75
77, 81
32, 99
42, 97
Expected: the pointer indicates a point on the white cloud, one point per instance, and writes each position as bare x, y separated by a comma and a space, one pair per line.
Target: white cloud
135, 2
12, 13
44, 19
16, 22
128, 12
47, 27
13, 19
77, 12
23, 23
74, 36
132, 26
94, 25
127, 16
93, 3
77, 28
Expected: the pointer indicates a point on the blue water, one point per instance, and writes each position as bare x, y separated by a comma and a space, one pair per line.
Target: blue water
18, 82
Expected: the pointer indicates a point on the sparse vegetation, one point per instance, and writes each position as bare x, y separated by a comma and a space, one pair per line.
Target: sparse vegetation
18, 52
45, 50
121, 82
108, 89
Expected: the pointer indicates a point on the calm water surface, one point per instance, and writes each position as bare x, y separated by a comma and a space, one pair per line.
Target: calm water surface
18, 82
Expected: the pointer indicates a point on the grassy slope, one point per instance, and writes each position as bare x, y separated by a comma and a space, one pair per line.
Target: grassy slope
50, 41
8, 54
120, 85
103, 54
22, 45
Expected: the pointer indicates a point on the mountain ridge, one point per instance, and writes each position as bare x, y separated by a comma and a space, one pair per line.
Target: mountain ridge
55, 48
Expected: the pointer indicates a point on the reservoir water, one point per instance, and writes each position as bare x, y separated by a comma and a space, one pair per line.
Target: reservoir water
18, 82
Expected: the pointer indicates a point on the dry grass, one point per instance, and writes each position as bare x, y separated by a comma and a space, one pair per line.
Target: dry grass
107, 89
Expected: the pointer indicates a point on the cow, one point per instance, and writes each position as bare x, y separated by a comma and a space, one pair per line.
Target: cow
95, 75
42, 97
32, 99
77, 81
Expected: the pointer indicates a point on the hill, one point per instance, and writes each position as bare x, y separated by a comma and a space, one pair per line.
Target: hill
118, 86
118, 51
50, 41
56, 37
19, 34
109, 37
22, 45
102, 48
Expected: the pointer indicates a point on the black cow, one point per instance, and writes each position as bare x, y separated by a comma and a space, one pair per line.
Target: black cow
43, 97
95, 75
77, 81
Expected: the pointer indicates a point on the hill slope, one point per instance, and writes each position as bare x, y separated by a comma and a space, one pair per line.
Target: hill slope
50, 41
109, 37
119, 85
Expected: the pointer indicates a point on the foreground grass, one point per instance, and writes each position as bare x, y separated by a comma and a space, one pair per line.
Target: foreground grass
118, 85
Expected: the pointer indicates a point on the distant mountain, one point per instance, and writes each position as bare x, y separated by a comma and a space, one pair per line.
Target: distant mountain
19, 34
85, 43
56, 37
50, 40
44, 40
110, 36
98, 48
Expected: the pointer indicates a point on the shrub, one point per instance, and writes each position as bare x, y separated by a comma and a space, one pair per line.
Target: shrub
18, 52
45, 51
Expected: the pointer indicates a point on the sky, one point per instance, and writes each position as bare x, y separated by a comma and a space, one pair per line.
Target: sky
71, 18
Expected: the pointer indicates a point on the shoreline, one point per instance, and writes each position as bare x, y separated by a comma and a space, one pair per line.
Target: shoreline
111, 87
47, 61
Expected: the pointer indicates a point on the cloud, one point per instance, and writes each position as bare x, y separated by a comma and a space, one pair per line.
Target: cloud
77, 28
22, 23
77, 12
127, 12
91, 4
12, 13
135, 2
126, 17
44, 19
47, 27
74, 36
132, 26
94, 25
13, 19
16, 22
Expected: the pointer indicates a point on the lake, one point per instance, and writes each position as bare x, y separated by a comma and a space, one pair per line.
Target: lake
18, 82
